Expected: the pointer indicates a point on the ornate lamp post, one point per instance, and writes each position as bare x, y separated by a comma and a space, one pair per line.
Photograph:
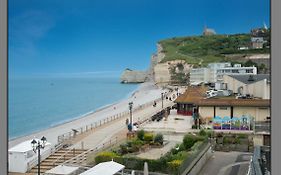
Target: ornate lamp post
131, 114
37, 145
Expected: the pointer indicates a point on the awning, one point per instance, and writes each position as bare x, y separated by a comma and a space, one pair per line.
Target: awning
105, 168
62, 170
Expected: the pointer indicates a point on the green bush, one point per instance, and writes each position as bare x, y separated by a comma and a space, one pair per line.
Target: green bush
123, 149
174, 165
181, 155
242, 136
105, 156
237, 140
140, 134
210, 134
188, 141
202, 132
159, 139
227, 140
148, 137
137, 142
196, 145
194, 126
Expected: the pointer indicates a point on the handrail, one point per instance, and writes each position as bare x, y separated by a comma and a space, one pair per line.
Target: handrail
100, 123
62, 156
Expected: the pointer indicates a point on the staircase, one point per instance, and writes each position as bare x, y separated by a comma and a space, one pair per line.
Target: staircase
56, 159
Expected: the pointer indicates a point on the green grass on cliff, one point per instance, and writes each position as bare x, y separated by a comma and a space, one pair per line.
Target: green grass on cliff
206, 49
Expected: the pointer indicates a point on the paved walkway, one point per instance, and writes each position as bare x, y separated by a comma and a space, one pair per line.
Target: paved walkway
156, 153
227, 163
105, 134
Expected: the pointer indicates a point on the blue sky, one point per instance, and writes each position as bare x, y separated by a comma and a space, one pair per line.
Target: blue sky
106, 36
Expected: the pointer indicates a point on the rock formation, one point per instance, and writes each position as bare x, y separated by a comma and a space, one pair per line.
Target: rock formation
133, 76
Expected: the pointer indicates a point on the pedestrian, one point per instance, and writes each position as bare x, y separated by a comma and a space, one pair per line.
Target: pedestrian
127, 122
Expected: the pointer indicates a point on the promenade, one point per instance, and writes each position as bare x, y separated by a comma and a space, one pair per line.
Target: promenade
105, 134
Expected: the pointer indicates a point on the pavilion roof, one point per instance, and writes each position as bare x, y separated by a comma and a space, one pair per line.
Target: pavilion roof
192, 94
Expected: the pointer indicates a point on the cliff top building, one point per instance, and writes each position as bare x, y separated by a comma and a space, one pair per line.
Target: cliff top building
208, 31
215, 71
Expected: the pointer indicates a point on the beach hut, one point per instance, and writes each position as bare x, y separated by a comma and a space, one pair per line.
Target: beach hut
62, 170
22, 157
106, 168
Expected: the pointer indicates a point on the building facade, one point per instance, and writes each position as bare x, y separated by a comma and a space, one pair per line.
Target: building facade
215, 71
229, 114
254, 85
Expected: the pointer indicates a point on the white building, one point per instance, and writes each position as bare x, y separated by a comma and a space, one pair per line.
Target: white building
254, 85
22, 157
215, 71
235, 70
200, 75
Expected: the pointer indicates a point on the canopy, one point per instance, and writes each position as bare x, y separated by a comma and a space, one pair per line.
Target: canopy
62, 170
105, 168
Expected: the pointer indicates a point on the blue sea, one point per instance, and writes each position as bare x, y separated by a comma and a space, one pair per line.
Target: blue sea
37, 103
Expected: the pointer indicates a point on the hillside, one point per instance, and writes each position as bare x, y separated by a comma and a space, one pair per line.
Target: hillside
206, 49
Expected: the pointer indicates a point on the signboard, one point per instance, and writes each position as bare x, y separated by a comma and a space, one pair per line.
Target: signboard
236, 123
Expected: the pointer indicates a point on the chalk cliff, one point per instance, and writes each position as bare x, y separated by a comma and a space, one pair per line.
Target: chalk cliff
133, 76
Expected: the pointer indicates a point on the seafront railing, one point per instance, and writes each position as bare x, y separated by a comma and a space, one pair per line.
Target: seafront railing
78, 131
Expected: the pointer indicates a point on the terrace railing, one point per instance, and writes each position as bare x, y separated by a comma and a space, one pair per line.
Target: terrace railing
262, 126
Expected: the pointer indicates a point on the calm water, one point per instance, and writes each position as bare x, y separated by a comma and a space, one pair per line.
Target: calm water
39, 103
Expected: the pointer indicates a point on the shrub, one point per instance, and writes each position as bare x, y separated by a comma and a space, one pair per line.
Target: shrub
242, 136
210, 134
174, 165
202, 132
159, 139
180, 155
148, 137
220, 134
237, 140
123, 149
140, 134
196, 146
188, 141
194, 126
105, 156
227, 140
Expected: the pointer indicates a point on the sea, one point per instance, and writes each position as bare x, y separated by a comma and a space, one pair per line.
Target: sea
37, 103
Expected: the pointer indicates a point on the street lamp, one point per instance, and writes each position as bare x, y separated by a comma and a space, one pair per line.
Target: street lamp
162, 96
37, 145
131, 115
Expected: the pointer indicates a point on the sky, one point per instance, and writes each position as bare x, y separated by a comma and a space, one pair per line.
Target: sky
71, 37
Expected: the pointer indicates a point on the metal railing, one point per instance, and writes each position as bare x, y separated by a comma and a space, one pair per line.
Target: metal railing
192, 159
262, 126
77, 159
257, 166
75, 132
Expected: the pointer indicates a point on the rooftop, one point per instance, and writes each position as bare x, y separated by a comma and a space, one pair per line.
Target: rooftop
192, 94
254, 78
105, 168
196, 95
24, 146
62, 169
